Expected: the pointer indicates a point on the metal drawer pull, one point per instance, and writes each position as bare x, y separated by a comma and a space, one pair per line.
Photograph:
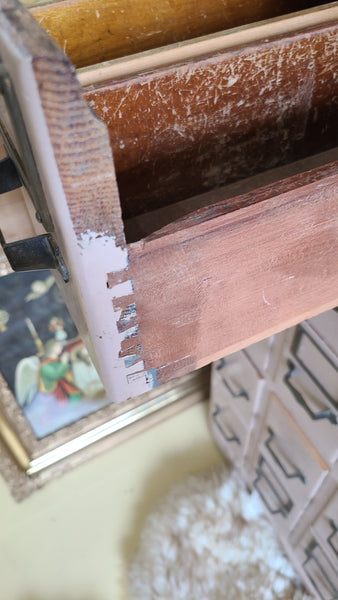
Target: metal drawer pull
229, 437
288, 474
284, 507
324, 414
325, 578
241, 393
331, 536
34, 254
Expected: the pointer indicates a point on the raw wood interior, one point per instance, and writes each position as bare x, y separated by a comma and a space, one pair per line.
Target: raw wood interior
222, 280
94, 31
182, 131
226, 199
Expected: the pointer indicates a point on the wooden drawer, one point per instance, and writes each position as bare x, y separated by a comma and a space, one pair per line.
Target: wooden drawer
295, 463
92, 33
309, 407
237, 384
170, 245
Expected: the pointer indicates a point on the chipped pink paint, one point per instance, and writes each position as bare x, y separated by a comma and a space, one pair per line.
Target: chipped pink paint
88, 259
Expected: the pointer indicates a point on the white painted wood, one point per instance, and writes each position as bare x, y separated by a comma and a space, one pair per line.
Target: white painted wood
88, 259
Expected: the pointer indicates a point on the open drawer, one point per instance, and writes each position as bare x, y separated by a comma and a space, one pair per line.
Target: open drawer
215, 224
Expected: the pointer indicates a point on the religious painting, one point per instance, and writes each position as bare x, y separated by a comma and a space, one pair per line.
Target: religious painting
42, 358
54, 412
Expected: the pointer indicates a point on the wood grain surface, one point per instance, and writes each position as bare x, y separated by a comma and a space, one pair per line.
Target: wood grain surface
92, 31
226, 198
180, 131
219, 279
218, 285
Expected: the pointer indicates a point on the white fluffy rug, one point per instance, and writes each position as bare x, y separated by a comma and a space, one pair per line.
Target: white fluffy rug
208, 540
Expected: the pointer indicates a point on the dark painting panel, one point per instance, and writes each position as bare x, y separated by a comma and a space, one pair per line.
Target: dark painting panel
42, 358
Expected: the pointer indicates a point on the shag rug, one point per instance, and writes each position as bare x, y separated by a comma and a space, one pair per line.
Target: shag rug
208, 540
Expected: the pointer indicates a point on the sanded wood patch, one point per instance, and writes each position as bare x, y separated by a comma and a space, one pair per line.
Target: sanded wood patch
205, 291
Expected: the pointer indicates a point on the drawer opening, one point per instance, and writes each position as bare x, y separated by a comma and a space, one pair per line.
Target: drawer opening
184, 131
226, 199
92, 32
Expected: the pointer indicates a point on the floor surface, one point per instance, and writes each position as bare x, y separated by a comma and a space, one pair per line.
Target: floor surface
74, 539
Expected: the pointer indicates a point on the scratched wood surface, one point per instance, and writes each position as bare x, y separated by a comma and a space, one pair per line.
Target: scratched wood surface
94, 31
221, 280
225, 276
179, 131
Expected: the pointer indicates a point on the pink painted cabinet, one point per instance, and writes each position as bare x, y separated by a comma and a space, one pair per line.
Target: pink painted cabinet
287, 444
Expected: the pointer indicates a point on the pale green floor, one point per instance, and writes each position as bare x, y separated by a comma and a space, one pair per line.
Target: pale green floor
74, 539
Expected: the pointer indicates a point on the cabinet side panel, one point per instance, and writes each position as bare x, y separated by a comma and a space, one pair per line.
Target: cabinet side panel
74, 160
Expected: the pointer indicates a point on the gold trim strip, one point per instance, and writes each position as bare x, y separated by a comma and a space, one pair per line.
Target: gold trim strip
112, 426
14, 444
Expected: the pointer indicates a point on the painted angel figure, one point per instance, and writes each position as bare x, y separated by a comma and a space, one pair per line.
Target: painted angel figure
62, 369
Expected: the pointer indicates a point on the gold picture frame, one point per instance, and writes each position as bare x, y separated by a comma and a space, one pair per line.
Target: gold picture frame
27, 462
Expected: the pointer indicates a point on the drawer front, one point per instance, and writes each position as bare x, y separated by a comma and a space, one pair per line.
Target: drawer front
229, 432
325, 529
239, 384
320, 572
309, 407
295, 463
317, 364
